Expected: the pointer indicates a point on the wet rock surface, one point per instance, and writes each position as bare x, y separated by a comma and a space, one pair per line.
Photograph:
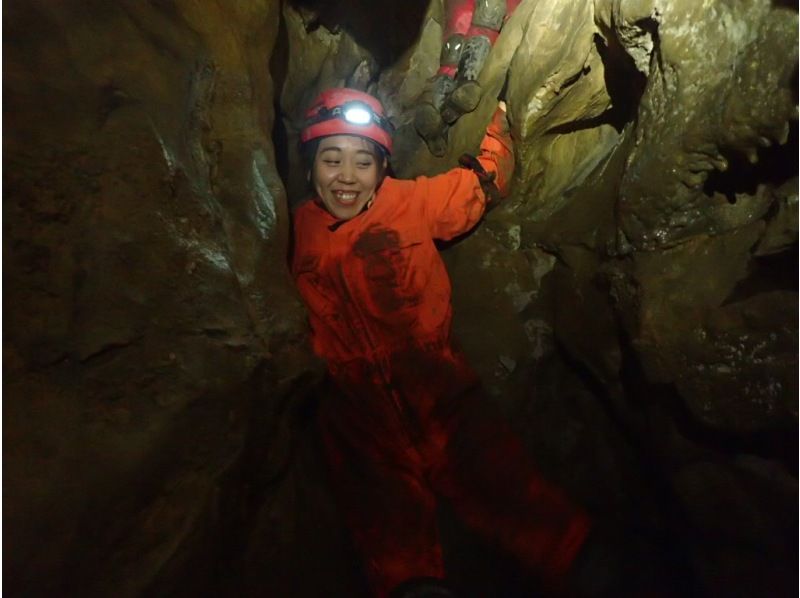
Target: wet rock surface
632, 306
150, 318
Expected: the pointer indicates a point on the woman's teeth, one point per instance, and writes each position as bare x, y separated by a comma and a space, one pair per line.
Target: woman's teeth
346, 196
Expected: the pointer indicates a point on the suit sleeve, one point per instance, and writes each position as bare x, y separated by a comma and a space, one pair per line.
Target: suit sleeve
453, 202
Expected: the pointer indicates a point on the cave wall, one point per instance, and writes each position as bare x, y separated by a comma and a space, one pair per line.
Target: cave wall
632, 305
149, 316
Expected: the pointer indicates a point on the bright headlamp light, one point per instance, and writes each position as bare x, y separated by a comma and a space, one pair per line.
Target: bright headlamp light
357, 114
354, 113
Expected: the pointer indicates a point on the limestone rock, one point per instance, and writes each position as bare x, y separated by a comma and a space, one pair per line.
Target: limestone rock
691, 116
143, 213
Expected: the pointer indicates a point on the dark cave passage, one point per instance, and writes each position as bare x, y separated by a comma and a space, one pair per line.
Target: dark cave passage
776, 165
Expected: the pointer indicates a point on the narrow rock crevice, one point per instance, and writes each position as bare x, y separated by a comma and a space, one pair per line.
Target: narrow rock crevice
151, 153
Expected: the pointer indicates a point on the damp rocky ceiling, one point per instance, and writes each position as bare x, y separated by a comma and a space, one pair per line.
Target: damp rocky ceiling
632, 305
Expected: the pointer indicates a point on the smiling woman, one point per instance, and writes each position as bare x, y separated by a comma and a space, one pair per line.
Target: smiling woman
404, 405
346, 172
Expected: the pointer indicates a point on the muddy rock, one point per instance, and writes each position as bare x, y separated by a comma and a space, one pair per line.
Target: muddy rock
142, 211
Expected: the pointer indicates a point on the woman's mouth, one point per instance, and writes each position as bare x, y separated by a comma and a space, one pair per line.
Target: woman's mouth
345, 197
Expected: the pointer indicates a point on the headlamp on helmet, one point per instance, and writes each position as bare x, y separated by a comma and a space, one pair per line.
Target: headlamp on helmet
355, 113
348, 112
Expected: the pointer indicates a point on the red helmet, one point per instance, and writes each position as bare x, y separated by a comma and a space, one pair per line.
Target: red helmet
343, 111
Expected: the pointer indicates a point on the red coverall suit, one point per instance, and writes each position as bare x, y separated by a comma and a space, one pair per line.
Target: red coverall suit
409, 422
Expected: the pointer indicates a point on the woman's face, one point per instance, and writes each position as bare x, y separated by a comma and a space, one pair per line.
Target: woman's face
345, 174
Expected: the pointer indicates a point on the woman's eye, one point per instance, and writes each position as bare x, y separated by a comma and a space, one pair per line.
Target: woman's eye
331, 162
364, 164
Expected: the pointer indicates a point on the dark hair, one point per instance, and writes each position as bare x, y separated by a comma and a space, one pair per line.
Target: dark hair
308, 152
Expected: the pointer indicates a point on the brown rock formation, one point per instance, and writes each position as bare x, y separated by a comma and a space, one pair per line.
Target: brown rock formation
150, 319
